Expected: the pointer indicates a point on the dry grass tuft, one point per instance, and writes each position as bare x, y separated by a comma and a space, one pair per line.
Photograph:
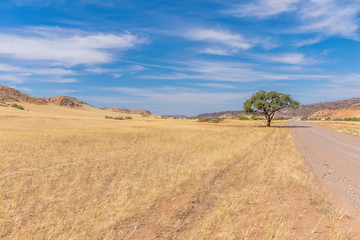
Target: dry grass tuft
351, 128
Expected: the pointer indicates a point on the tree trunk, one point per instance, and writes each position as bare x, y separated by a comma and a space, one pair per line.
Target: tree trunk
268, 121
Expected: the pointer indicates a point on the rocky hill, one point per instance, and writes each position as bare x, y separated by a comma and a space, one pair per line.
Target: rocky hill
311, 109
65, 101
8, 94
127, 111
348, 112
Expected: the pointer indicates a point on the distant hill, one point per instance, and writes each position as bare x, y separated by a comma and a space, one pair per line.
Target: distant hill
325, 109
9, 96
352, 111
65, 101
127, 111
336, 109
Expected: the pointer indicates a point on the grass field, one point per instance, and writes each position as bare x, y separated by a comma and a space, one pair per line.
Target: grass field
348, 127
71, 177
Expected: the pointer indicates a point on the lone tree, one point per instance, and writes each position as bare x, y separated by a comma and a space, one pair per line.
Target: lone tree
268, 103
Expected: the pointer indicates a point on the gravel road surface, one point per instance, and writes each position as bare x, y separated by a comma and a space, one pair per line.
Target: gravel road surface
335, 158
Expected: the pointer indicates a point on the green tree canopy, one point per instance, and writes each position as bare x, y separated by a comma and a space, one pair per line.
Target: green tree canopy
268, 103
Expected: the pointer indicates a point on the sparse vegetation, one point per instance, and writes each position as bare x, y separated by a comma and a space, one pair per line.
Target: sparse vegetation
118, 118
128, 117
256, 118
243, 118
211, 120
353, 119
347, 127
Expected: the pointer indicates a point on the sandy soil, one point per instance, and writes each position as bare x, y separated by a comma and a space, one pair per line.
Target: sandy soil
335, 160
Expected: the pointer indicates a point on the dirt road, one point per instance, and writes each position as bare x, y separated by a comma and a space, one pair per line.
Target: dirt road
335, 158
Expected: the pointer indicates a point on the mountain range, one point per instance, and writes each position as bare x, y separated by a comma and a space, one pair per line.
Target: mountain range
12, 97
334, 110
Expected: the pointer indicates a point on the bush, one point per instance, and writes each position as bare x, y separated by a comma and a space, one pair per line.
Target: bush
304, 119
243, 118
164, 117
216, 120
144, 115
20, 107
119, 118
207, 119
211, 120
328, 119
257, 118
108, 117
128, 117
352, 119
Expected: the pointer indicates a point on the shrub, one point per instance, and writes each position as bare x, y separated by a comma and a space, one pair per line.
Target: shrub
119, 118
328, 119
20, 107
352, 119
211, 120
128, 117
216, 120
243, 118
164, 117
145, 116
304, 119
108, 117
256, 118
206, 119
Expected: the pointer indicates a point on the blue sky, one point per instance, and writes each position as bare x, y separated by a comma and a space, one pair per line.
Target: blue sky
180, 57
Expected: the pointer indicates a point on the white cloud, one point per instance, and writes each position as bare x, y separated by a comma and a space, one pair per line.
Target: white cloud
63, 47
59, 80
223, 42
326, 17
228, 72
156, 95
11, 78
216, 51
331, 17
288, 58
264, 8
215, 85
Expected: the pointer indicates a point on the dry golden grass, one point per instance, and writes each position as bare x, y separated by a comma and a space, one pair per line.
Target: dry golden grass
78, 177
348, 127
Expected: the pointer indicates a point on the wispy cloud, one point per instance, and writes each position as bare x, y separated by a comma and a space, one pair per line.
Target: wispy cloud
154, 95
264, 8
325, 17
287, 58
228, 72
331, 17
62, 47
222, 42
215, 85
